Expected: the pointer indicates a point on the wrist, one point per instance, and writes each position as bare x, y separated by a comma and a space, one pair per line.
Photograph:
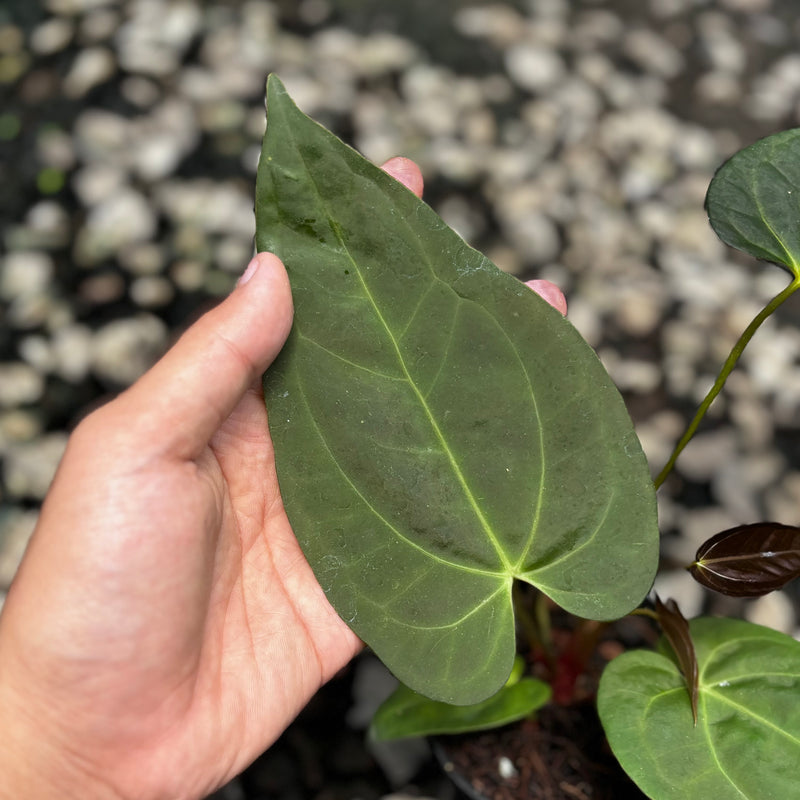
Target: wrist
36, 761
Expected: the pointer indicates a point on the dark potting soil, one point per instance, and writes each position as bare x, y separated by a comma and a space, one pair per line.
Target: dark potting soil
561, 755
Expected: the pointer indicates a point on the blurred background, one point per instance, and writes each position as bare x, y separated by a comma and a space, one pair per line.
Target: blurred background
572, 141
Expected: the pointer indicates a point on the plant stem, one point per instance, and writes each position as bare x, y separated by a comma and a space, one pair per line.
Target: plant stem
541, 610
727, 367
645, 612
535, 626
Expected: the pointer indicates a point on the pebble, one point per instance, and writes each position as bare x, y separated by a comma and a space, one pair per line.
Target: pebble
533, 234
372, 685
746, 6
718, 89
19, 425
462, 217
696, 149
160, 154
29, 467
151, 292
106, 287
97, 182
706, 453
755, 428
584, 316
102, 136
724, 51
630, 375
145, 258
99, 25
16, 528
658, 435
533, 67
506, 768
47, 224
771, 357
54, 148
653, 53
72, 352
783, 499
681, 586
141, 92
29, 311
25, 273
213, 207
384, 53
739, 483
188, 276
92, 67
669, 8
52, 35
233, 253
595, 28
124, 349
314, 12
20, 384
696, 526
35, 350
501, 24
125, 218
155, 35
773, 610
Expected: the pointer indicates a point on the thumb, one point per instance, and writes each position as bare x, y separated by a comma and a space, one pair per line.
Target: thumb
192, 390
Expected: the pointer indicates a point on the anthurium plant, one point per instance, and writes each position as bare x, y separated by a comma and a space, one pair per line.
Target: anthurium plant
456, 463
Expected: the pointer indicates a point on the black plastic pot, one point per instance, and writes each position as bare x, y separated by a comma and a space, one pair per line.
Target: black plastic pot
562, 755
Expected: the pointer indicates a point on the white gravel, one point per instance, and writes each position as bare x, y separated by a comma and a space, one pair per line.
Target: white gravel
590, 142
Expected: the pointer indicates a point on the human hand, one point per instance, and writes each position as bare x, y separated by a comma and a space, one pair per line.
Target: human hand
164, 626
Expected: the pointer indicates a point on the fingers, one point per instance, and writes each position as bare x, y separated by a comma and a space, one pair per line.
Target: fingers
550, 292
405, 171
187, 395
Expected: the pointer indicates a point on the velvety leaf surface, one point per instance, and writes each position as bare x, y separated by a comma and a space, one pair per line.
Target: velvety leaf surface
439, 429
749, 560
676, 631
746, 745
406, 713
753, 201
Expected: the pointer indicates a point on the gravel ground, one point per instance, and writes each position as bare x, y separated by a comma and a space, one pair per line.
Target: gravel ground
567, 140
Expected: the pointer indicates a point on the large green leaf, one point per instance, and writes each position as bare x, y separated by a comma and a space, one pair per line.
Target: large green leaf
753, 201
747, 740
439, 429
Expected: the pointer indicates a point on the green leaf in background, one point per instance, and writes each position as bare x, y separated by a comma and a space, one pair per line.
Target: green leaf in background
753, 204
406, 713
440, 431
746, 745
753, 201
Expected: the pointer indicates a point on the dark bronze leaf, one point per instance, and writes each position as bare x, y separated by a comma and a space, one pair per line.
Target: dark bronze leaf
676, 629
750, 560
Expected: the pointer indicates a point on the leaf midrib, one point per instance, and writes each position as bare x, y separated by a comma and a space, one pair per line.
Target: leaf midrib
383, 520
508, 567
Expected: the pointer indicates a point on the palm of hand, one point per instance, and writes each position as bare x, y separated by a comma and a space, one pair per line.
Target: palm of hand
261, 638
177, 626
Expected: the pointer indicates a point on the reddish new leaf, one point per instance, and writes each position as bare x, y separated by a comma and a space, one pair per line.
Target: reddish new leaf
676, 630
750, 560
